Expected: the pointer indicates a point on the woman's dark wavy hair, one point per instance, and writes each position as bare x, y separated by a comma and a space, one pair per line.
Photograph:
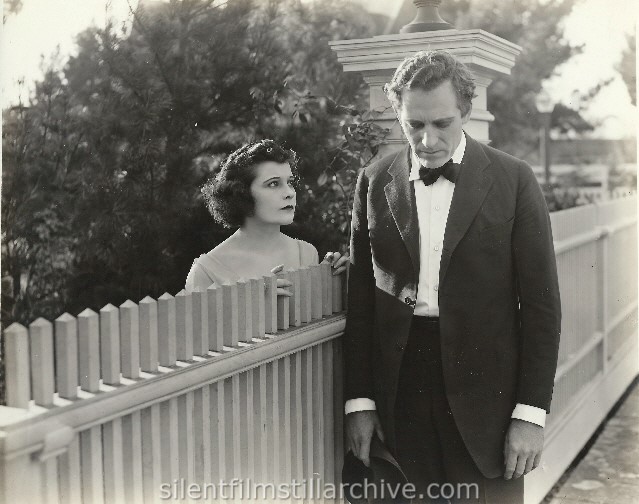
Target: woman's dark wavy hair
426, 70
228, 193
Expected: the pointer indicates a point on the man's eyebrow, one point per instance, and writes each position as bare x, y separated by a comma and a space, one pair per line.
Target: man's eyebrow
439, 119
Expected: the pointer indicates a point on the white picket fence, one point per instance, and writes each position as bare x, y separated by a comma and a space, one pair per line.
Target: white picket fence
233, 382
237, 383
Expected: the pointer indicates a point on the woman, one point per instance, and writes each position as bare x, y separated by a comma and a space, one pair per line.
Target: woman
255, 190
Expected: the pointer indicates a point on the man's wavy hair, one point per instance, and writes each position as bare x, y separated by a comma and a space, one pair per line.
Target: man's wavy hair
426, 70
228, 193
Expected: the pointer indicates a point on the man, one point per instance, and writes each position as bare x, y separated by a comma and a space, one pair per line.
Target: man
454, 317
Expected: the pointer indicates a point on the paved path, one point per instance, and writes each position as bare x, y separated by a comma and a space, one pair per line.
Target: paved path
609, 472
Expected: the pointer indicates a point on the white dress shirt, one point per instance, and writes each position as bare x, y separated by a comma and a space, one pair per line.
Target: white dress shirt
433, 204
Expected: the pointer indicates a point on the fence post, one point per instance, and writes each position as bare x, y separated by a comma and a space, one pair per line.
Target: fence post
110, 344
229, 293
167, 350
41, 343
215, 310
184, 326
130, 339
66, 354
89, 346
245, 311
327, 289
270, 304
18, 372
317, 296
283, 306
295, 318
200, 323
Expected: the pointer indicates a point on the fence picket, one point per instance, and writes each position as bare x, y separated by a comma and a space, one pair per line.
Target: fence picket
151, 453
273, 424
245, 421
270, 304
327, 289
41, 350
185, 404
149, 335
89, 350
319, 418
130, 339
132, 456
110, 345
259, 423
200, 322
306, 293
17, 366
202, 435
297, 413
283, 306
215, 307
50, 491
338, 289
316, 291
245, 311
184, 326
257, 300
91, 461
328, 432
169, 446
113, 461
218, 428
232, 438
230, 302
69, 471
167, 349
284, 403
66, 355
295, 317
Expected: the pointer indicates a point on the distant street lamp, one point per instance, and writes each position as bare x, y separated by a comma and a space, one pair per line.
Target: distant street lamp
545, 106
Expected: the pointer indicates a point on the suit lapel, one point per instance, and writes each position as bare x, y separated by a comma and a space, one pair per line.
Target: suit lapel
471, 188
401, 202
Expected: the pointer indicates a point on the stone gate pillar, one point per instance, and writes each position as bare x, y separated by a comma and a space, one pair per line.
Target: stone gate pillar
485, 54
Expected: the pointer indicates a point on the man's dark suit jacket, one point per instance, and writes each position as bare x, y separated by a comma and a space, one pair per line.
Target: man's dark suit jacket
499, 307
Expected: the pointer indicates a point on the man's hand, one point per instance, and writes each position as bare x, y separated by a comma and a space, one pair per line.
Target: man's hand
360, 427
523, 447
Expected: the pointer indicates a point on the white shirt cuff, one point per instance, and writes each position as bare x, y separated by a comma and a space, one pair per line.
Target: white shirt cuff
530, 414
360, 404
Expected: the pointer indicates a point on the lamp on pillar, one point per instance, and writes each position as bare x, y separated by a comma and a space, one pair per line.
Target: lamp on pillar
427, 18
545, 106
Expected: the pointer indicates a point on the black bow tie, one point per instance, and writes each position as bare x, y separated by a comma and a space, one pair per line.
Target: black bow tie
449, 170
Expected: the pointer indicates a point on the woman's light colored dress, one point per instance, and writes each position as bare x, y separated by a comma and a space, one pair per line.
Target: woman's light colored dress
208, 269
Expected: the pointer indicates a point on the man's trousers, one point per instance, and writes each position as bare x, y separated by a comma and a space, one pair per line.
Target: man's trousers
430, 448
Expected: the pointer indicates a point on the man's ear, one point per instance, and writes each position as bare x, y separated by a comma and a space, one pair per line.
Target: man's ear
466, 117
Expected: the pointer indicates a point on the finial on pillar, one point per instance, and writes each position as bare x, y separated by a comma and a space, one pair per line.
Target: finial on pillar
427, 19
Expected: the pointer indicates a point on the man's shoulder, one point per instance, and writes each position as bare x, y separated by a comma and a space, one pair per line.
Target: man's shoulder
500, 158
383, 164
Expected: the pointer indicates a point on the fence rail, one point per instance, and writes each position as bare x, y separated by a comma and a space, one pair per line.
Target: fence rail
236, 382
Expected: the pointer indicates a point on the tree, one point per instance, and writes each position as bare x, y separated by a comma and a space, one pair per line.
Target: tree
627, 67
538, 29
10, 7
131, 126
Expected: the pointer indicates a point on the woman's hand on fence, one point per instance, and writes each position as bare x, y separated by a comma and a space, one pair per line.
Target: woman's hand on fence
282, 283
337, 261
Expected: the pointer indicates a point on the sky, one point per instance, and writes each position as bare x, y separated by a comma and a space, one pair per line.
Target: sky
42, 25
